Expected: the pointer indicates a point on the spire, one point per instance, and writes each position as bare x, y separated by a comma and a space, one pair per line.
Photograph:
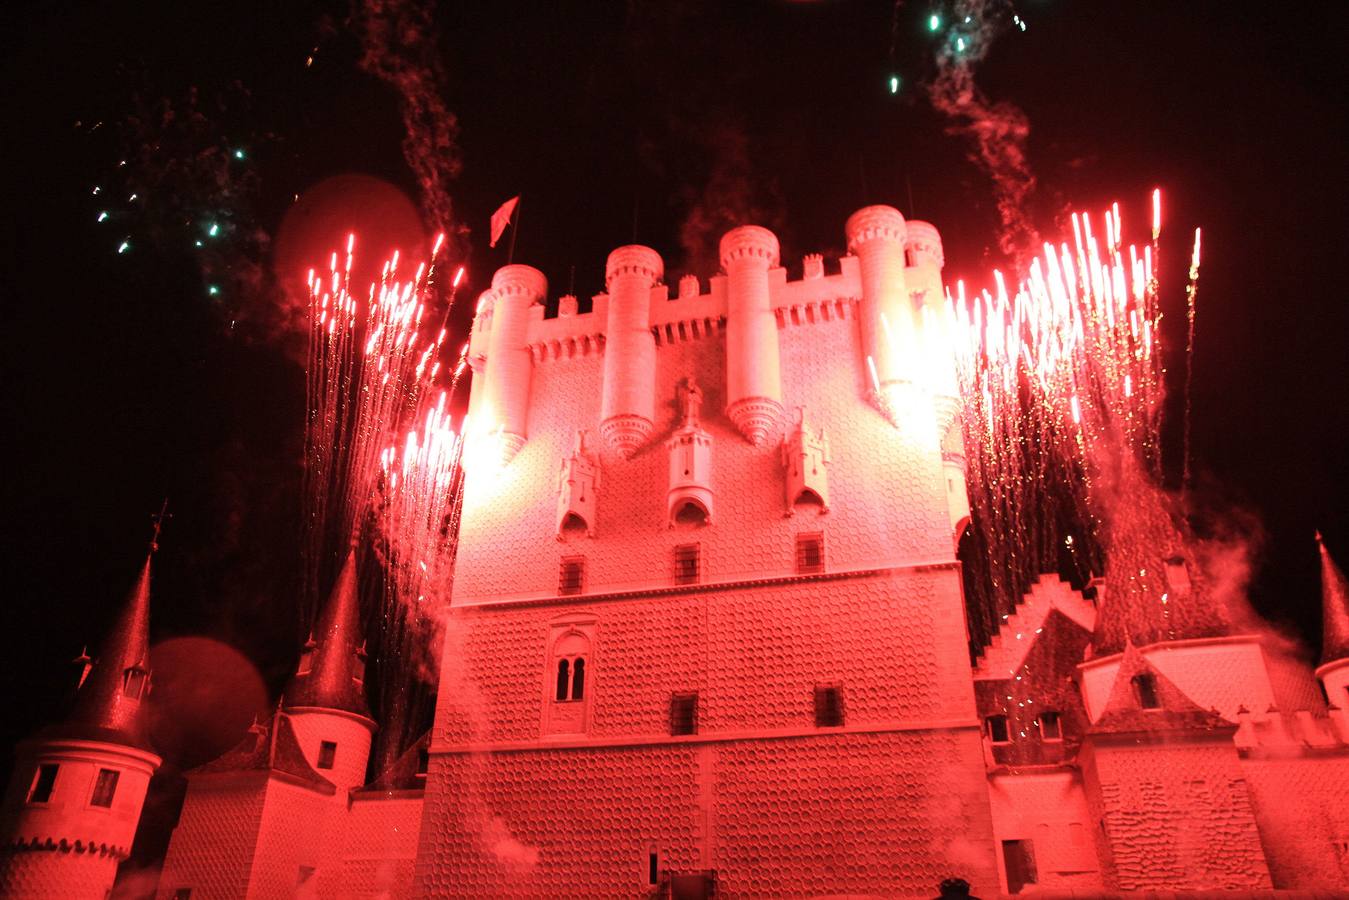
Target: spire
108, 705
335, 676
1334, 608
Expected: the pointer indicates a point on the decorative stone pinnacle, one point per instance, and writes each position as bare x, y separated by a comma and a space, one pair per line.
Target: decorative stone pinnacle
634, 259
874, 223
749, 242
520, 281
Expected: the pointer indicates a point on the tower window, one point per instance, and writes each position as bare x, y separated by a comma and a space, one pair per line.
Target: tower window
652, 867
1051, 728
997, 729
687, 564
327, 754
133, 682
571, 577
1145, 690
828, 706
105, 787
1178, 576
684, 714
571, 679
43, 783
809, 553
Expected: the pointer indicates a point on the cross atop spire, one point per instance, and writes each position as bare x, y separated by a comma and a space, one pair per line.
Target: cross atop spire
158, 518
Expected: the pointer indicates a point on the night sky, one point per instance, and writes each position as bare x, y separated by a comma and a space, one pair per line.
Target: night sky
126, 380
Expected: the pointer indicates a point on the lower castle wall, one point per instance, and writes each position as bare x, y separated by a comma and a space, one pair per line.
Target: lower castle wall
295, 825
1050, 810
212, 848
890, 814
56, 874
1302, 809
379, 847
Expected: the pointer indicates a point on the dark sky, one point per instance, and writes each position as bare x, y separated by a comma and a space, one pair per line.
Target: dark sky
124, 382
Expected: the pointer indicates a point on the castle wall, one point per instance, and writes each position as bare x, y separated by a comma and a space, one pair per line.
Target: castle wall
1302, 809
1176, 816
289, 811
379, 845
213, 846
1049, 809
57, 875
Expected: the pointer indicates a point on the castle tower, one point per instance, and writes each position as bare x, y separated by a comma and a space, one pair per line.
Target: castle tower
326, 698
75, 798
500, 419
749, 700
876, 234
1334, 668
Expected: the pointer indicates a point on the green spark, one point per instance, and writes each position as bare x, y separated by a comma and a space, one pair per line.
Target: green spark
894, 84
213, 230
213, 290
239, 154
103, 216
125, 246
933, 22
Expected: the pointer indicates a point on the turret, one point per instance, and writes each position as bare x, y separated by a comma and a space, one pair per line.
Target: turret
1334, 668
74, 801
753, 376
326, 698
501, 417
628, 403
876, 236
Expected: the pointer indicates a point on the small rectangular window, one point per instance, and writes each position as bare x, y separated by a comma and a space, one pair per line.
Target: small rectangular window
652, 867
43, 782
809, 553
423, 762
684, 714
571, 576
1145, 691
687, 564
105, 787
133, 682
327, 754
997, 729
1051, 729
828, 706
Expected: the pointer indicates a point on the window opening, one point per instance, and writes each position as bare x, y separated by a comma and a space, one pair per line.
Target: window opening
1051, 727
423, 762
1145, 690
327, 754
578, 679
182, 894
997, 729
571, 577
652, 867
105, 787
133, 682
1019, 861
563, 679
828, 706
43, 783
684, 714
687, 564
809, 553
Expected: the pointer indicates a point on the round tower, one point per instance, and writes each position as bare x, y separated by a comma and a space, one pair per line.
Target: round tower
326, 698
876, 236
72, 806
628, 403
503, 415
753, 373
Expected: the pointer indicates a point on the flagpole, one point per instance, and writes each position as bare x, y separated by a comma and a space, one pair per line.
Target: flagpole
510, 251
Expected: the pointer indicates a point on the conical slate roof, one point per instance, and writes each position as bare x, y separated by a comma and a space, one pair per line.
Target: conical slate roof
1175, 712
1334, 608
273, 748
334, 679
109, 705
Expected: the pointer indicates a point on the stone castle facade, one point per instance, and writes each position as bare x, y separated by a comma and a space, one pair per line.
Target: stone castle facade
707, 637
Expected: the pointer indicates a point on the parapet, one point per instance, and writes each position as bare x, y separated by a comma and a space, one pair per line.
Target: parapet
874, 222
923, 244
519, 280
634, 259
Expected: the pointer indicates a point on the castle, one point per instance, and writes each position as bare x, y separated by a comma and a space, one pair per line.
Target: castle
707, 636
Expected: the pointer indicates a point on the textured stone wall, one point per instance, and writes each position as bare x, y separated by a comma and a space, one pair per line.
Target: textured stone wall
212, 848
1049, 809
379, 845
56, 875
1302, 808
1176, 816
290, 811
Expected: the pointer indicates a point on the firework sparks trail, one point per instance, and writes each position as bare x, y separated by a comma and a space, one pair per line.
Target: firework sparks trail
1062, 383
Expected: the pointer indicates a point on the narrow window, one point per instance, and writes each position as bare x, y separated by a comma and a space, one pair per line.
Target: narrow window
563, 678
1018, 859
1051, 728
133, 682
684, 714
105, 786
1145, 689
423, 762
687, 564
652, 867
182, 894
828, 706
578, 679
809, 553
571, 577
997, 729
327, 754
43, 782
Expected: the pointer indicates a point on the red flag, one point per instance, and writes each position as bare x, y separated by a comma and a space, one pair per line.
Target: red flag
502, 217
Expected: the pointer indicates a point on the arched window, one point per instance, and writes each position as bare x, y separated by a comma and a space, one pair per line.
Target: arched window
563, 678
578, 679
